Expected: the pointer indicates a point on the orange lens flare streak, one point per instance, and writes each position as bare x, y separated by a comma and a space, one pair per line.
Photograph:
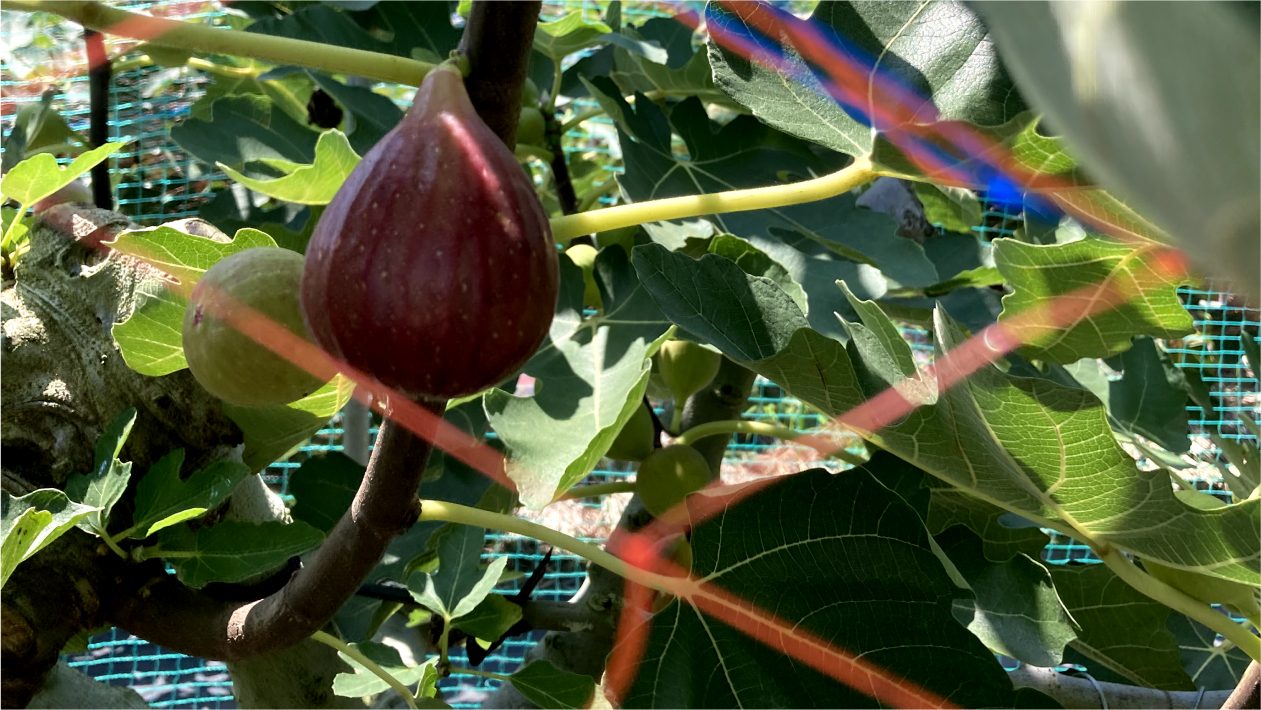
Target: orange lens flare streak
275, 337
779, 634
891, 104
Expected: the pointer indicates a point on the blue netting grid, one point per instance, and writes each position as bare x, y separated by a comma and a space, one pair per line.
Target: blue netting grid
158, 182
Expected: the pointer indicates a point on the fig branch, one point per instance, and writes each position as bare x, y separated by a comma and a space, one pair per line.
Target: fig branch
155, 606
201, 38
596, 490
443, 511
858, 173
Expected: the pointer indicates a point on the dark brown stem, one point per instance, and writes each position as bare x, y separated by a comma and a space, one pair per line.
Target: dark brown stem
657, 426
160, 609
99, 74
497, 40
1248, 693
565, 194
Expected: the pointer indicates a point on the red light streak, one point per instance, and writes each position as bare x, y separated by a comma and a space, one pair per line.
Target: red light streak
900, 111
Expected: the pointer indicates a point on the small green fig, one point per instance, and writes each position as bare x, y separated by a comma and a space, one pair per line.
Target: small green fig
230, 364
531, 127
1210, 590
583, 256
686, 368
669, 475
530, 93
634, 442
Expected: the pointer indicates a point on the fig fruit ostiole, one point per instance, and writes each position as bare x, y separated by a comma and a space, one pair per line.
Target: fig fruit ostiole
433, 269
228, 363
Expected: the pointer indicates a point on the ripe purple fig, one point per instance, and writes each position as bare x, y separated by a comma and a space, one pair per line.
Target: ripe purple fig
433, 269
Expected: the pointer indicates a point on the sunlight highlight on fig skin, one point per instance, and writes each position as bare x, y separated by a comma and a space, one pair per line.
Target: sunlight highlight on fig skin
976, 352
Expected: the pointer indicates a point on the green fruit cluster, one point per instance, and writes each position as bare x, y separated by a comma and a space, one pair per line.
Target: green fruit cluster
669, 475
229, 364
532, 125
685, 368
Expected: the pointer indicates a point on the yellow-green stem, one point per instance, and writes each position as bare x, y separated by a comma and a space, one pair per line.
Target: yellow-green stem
444, 642
113, 545
569, 226
740, 426
1176, 600
378, 671
579, 119
7, 241
442, 511
482, 674
231, 72
599, 489
557, 76
676, 418
209, 40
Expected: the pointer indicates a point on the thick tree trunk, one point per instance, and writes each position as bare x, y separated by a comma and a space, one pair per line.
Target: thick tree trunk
64, 381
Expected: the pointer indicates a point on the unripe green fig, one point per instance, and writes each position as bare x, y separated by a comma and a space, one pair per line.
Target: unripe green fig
634, 442
583, 256
433, 269
686, 368
228, 363
669, 475
531, 127
530, 93
1210, 590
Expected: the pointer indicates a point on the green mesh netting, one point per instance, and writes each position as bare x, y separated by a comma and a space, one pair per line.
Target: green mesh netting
158, 182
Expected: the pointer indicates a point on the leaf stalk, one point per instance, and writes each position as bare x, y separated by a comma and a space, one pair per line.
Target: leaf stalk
209, 40
858, 173
330, 640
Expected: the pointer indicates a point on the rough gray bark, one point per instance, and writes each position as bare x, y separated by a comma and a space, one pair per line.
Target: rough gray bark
1077, 692
585, 652
64, 382
300, 676
70, 688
